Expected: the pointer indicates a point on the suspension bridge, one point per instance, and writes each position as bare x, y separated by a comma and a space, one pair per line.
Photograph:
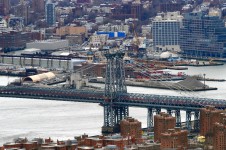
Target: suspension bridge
116, 100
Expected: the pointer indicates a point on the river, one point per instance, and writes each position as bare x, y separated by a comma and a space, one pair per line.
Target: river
63, 120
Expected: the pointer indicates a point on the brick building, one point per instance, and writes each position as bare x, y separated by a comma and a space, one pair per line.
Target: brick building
219, 133
174, 138
130, 127
162, 122
10, 41
71, 30
97, 70
208, 116
75, 39
136, 9
39, 143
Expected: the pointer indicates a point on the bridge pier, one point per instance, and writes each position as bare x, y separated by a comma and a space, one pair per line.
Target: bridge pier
150, 122
158, 110
20, 61
188, 120
112, 117
40, 62
121, 113
178, 118
196, 121
169, 111
109, 119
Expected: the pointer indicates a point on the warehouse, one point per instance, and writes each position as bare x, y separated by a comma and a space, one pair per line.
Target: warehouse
51, 44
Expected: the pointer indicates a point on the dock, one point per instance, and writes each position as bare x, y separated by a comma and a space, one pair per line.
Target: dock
189, 84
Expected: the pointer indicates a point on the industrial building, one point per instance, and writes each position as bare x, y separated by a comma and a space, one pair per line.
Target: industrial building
162, 122
130, 127
13, 40
113, 34
40, 77
208, 116
51, 44
203, 35
174, 138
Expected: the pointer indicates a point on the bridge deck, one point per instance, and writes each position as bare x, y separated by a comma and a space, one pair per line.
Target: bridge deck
128, 99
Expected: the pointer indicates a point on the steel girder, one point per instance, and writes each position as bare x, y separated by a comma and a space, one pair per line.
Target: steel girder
178, 118
196, 121
150, 121
188, 120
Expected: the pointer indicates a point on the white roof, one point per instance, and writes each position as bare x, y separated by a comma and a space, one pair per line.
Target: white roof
40, 77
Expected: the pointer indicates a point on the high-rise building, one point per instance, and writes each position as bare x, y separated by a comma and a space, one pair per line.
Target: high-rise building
208, 116
130, 127
165, 31
22, 10
38, 6
174, 138
203, 35
136, 9
50, 13
162, 122
4, 7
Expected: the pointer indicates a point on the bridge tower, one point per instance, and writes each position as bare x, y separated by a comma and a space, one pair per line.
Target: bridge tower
114, 85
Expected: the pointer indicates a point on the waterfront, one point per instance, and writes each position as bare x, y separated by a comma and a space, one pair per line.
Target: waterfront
63, 120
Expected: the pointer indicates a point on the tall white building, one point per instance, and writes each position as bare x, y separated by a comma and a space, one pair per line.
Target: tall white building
3, 25
50, 13
165, 31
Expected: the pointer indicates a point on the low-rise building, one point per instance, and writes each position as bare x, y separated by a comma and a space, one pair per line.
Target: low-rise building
71, 30
51, 44
13, 40
98, 40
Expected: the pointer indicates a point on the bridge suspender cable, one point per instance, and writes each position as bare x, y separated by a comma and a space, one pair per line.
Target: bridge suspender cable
180, 87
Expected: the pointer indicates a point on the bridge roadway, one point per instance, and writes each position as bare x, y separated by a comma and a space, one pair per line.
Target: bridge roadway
154, 103
129, 99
